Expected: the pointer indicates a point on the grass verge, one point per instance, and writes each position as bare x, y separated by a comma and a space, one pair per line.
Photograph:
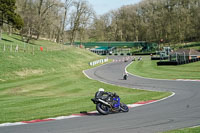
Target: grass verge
149, 68
185, 130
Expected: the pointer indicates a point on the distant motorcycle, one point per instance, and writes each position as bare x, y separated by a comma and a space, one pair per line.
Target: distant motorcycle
109, 104
125, 77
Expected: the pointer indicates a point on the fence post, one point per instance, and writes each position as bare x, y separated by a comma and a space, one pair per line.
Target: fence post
11, 48
17, 48
24, 47
4, 48
184, 57
27, 49
33, 50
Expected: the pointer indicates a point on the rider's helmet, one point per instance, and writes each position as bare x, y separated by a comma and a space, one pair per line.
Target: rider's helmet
101, 89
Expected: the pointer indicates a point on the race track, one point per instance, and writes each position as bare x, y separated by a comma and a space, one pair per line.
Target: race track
181, 110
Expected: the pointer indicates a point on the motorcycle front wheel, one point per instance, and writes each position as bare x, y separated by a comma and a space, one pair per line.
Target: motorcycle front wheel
124, 107
102, 109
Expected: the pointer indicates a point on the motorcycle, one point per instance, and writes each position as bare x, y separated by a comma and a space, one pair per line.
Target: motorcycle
125, 77
109, 104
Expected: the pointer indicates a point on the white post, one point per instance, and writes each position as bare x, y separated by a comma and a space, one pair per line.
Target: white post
24, 47
17, 48
4, 48
184, 56
11, 48
33, 50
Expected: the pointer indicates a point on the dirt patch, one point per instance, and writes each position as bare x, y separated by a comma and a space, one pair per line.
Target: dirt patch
2, 80
14, 91
29, 72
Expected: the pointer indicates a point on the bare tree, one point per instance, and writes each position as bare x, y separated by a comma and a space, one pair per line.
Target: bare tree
39, 16
67, 5
43, 7
79, 17
150, 20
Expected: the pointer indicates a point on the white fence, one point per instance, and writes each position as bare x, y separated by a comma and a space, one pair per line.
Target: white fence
98, 62
28, 48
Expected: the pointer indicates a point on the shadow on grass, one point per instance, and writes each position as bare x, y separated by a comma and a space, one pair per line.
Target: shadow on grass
22, 41
191, 45
6, 40
17, 39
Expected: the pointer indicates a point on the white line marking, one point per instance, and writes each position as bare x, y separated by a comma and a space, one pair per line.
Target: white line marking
134, 105
12, 124
64, 117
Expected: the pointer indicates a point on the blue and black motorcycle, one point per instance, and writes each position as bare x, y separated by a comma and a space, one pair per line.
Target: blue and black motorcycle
109, 104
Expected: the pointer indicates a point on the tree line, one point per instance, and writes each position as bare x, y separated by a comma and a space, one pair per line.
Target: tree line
56, 20
8, 15
166, 21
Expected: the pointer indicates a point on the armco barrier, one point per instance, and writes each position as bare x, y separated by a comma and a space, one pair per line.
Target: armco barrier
98, 62
176, 62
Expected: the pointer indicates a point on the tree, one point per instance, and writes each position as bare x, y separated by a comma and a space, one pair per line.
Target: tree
150, 20
8, 15
79, 17
42, 13
41, 17
67, 5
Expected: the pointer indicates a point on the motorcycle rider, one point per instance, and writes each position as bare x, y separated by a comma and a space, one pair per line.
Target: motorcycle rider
125, 76
108, 102
101, 93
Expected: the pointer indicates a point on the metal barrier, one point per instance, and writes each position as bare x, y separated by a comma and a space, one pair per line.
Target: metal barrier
98, 62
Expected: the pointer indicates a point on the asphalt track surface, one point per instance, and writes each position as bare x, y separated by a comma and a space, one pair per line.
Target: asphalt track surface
181, 110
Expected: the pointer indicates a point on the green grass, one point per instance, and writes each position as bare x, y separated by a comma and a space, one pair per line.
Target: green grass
186, 130
192, 45
148, 68
9, 43
50, 84
189, 45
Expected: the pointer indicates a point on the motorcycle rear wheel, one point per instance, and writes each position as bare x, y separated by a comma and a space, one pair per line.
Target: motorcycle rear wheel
102, 109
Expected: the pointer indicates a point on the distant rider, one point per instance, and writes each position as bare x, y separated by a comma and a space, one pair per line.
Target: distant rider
125, 76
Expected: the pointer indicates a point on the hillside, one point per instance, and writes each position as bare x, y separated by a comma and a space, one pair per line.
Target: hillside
22, 65
41, 81
51, 83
